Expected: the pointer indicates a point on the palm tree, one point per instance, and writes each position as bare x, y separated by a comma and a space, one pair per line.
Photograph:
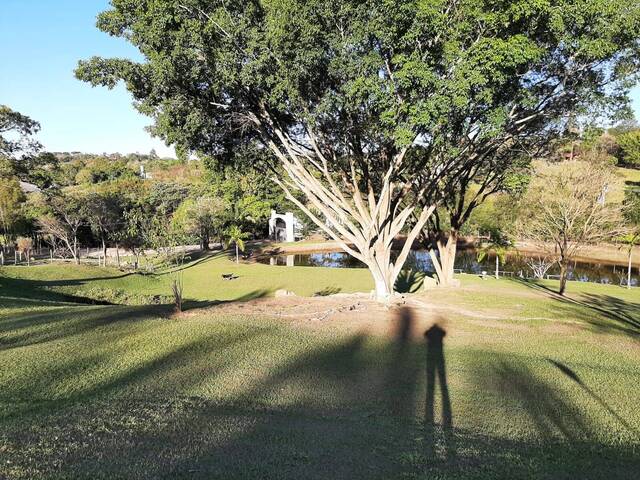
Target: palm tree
630, 239
498, 244
235, 235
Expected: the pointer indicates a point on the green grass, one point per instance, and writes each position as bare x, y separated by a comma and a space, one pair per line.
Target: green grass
630, 179
539, 387
202, 279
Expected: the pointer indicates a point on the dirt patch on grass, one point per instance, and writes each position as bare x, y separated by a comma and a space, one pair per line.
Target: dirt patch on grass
406, 317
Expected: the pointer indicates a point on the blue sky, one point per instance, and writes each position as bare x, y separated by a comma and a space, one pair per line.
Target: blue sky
41, 42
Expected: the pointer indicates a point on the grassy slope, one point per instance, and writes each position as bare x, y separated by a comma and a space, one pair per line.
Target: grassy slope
548, 390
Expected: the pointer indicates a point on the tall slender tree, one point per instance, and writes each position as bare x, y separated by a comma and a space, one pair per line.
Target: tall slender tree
359, 102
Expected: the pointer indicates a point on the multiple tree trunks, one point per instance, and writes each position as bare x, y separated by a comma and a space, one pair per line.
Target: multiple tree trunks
444, 261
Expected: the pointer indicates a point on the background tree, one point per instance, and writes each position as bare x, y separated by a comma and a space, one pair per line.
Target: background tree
631, 240
564, 210
63, 221
201, 217
234, 235
16, 135
103, 211
629, 143
499, 245
631, 213
11, 201
24, 245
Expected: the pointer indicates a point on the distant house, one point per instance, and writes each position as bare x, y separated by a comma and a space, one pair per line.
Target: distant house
284, 227
143, 173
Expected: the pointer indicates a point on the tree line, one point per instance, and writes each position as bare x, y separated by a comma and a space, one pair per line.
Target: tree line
75, 199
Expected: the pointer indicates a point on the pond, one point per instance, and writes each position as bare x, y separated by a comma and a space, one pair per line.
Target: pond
466, 261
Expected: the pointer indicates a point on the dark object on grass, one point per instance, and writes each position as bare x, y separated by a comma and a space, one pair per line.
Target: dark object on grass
229, 276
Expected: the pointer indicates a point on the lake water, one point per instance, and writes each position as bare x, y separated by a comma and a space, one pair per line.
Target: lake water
466, 261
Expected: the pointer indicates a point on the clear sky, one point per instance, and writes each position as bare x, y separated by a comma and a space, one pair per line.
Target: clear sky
41, 42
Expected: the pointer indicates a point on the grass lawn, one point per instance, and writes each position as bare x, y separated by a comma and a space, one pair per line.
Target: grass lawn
535, 386
630, 180
202, 280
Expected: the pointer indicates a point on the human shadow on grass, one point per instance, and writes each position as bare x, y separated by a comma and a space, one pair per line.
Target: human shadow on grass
619, 315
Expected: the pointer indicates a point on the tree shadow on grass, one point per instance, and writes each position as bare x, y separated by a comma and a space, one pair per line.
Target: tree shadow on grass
610, 314
573, 376
194, 260
326, 291
43, 289
30, 328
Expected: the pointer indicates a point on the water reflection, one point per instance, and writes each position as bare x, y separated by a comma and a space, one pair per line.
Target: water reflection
466, 261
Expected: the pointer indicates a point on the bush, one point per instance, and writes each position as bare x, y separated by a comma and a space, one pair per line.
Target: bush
630, 148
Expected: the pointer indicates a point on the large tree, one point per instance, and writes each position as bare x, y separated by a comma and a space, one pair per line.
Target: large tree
357, 100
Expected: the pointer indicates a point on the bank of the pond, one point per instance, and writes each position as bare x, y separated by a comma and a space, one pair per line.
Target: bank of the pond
515, 265
601, 254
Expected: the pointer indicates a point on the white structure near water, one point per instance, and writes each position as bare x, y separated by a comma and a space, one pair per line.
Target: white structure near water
284, 227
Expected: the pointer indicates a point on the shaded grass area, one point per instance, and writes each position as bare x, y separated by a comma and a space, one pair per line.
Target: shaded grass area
548, 388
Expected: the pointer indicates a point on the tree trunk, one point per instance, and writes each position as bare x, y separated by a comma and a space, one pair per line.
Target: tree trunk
76, 253
629, 270
104, 252
497, 267
563, 277
237, 258
118, 254
444, 262
383, 277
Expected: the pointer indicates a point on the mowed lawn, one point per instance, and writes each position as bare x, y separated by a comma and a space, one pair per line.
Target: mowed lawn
202, 278
535, 386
